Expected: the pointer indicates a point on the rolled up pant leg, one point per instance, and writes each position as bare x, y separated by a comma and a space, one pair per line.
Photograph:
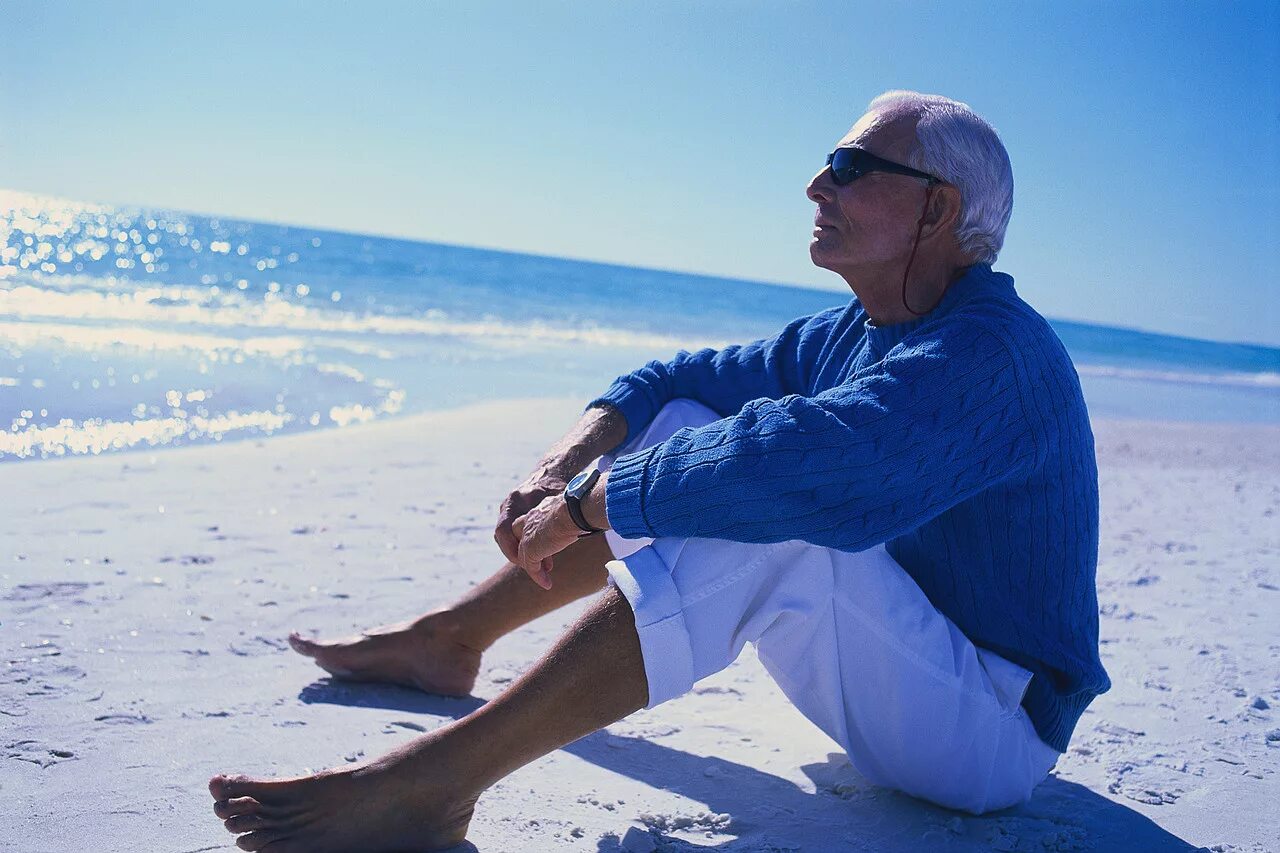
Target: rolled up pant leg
853, 643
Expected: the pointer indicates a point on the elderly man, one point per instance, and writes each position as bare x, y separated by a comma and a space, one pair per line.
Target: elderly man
895, 500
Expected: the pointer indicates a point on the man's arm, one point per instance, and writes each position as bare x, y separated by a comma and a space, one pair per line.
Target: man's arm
598, 430
723, 380
856, 465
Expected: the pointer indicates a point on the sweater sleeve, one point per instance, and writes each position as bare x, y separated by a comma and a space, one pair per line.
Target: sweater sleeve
723, 380
894, 446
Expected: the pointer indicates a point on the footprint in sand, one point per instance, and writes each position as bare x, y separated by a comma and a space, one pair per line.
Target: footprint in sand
700, 822
40, 591
124, 719
1144, 783
37, 753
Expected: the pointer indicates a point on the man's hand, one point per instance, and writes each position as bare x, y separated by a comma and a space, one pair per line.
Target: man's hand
599, 429
543, 532
541, 485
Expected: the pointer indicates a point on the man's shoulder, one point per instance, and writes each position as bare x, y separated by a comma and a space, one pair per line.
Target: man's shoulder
1018, 326
1044, 370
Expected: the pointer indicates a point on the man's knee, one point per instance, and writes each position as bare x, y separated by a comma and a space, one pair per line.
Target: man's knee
674, 415
686, 411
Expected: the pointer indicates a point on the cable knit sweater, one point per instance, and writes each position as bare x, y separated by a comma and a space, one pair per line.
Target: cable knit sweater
960, 439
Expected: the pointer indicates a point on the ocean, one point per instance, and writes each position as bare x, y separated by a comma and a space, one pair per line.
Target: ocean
124, 329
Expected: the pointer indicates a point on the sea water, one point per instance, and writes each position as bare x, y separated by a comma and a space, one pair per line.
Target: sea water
126, 328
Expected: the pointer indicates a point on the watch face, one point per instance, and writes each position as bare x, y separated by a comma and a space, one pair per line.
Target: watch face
577, 482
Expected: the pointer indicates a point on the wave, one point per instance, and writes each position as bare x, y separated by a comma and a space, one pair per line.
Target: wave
42, 314
193, 306
1262, 379
96, 435
141, 338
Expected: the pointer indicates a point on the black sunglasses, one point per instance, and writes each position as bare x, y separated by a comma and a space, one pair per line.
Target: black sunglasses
849, 164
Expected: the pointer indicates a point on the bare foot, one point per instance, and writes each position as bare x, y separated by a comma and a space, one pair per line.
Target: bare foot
429, 653
404, 801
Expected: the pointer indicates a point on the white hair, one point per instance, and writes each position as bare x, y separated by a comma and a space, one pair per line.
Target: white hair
957, 145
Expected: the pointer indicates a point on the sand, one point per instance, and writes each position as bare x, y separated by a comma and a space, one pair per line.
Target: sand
145, 598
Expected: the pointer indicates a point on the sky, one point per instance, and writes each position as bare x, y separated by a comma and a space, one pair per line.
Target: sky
1145, 137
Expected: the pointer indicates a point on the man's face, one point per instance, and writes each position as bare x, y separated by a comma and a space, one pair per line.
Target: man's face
869, 224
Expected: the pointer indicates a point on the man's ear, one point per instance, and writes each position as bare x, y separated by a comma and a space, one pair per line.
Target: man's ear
944, 210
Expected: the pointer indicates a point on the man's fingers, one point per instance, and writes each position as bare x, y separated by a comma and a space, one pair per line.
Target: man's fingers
507, 542
513, 509
507, 534
534, 538
508, 549
542, 574
537, 568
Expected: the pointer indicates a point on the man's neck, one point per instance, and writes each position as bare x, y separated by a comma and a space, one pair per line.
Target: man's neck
882, 299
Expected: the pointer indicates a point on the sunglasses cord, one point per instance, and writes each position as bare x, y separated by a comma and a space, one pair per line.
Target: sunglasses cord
928, 194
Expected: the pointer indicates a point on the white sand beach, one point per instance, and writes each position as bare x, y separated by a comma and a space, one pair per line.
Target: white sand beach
145, 599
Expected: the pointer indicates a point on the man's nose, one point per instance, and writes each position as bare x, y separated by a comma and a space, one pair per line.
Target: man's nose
820, 186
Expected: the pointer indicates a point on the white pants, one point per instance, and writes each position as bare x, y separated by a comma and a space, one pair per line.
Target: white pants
851, 640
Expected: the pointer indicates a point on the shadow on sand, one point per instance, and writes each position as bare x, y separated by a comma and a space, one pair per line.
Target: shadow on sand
770, 813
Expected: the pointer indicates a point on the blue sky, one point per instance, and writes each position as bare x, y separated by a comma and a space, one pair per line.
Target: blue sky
1145, 138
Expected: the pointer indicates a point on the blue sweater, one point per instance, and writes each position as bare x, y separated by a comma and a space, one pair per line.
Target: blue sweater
959, 439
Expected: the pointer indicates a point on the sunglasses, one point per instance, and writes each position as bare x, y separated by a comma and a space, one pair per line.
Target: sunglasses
849, 164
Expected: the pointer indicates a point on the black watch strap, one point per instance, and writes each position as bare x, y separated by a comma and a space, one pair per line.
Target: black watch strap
573, 500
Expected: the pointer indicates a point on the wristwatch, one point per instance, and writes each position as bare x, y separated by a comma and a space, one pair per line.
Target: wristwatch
574, 493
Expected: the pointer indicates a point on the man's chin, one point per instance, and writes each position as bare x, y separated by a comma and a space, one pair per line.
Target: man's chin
819, 254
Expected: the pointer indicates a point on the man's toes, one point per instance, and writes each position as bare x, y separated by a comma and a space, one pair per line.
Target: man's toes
259, 840
241, 805
237, 787
218, 787
332, 657
244, 823
303, 646
260, 822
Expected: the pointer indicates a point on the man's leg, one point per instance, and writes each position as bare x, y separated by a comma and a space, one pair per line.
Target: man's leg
440, 651
850, 638
858, 648
421, 796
